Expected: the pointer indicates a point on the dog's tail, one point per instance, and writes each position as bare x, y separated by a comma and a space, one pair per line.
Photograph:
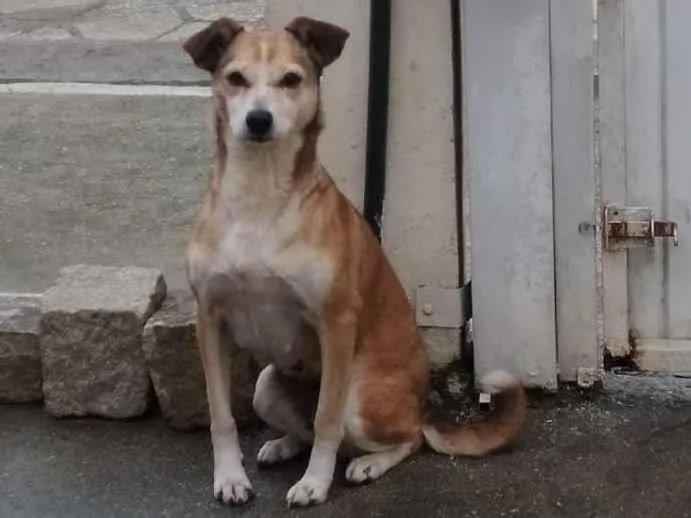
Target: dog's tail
501, 428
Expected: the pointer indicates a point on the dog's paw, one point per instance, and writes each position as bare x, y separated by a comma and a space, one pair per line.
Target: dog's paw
365, 469
308, 491
231, 486
278, 450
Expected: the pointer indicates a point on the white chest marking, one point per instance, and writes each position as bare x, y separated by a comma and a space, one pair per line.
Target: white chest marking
258, 219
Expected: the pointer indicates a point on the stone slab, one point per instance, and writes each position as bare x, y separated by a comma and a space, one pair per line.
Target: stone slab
172, 356
91, 335
20, 353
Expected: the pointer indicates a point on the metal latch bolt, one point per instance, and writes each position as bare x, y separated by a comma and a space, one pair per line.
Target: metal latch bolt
634, 227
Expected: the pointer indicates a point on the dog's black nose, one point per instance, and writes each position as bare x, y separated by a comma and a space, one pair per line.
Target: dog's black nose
259, 124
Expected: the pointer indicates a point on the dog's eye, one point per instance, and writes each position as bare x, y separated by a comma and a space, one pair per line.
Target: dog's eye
238, 80
290, 80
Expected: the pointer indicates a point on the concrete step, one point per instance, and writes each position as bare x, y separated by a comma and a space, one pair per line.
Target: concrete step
119, 62
98, 179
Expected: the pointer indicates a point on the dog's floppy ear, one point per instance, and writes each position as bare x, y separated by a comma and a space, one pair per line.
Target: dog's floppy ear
206, 47
323, 41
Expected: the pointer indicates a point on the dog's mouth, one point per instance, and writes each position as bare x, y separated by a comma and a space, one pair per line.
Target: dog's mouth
259, 139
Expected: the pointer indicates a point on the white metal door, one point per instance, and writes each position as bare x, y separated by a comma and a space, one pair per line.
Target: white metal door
528, 157
645, 123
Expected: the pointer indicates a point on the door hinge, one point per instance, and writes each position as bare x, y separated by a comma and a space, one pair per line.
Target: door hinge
634, 227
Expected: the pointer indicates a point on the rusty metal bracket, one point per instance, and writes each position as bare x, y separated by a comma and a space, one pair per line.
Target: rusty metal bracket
634, 227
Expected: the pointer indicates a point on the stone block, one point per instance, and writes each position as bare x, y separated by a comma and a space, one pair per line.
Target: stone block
91, 340
172, 356
20, 353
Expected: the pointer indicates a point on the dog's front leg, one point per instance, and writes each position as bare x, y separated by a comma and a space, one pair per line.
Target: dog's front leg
231, 484
337, 344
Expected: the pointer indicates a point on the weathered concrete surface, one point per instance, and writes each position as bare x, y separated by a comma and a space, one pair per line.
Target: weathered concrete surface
113, 20
124, 62
94, 179
443, 345
123, 41
172, 356
91, 340
117, 187
20, 352
610, 456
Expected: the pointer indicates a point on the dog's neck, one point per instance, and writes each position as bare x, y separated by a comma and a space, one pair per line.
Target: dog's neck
259, 179
256, 178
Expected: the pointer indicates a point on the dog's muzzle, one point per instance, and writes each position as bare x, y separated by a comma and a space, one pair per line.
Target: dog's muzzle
260, 124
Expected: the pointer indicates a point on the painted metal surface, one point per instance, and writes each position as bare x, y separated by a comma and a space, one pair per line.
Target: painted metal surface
653, 131
575, 191
508, 129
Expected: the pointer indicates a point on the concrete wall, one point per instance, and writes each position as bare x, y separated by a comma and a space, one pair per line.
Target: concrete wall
419, 227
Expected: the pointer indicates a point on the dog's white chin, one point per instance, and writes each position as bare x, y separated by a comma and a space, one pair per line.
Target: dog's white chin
275, 140
259, 142
250, 142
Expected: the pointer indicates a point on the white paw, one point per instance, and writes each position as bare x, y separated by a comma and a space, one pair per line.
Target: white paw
308, 491
231, 485
365, 469
279, 450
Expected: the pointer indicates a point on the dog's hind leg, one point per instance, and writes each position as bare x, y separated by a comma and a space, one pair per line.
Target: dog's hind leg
286, 405
371, 466
383, 420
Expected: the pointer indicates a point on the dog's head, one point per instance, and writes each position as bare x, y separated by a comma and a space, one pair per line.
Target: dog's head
267, 81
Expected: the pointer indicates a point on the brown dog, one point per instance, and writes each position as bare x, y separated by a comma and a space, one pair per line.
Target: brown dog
282, 264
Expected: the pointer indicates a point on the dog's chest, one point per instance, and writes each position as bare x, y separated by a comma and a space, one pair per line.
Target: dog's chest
276, 285
274, 247
268, 317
